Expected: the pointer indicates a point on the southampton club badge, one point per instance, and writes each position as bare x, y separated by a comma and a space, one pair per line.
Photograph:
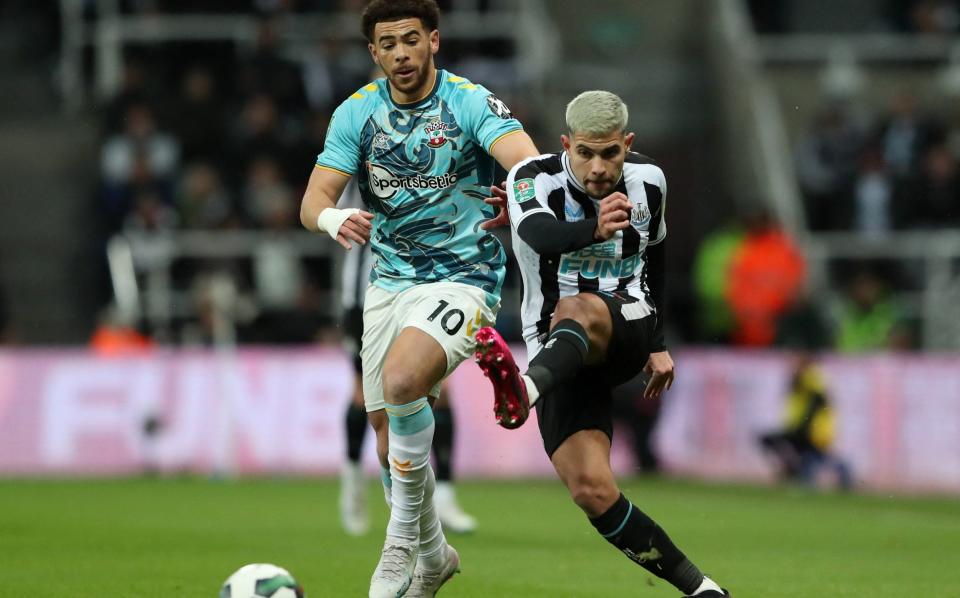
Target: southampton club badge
434, 131
381, 141
497, 106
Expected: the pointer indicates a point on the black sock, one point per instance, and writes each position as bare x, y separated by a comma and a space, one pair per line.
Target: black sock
561, 357
443, 442
356, 429
645, 543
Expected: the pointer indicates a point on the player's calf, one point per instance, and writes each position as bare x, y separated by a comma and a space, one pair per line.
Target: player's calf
644, 542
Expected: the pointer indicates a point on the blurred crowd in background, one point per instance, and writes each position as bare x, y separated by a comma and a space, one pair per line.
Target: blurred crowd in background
210, 136
202, 137
904, 16
860, 170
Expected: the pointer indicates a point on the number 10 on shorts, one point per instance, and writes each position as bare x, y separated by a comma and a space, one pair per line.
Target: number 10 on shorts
452, 319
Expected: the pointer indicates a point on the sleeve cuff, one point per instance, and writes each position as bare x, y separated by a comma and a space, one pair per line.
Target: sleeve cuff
496, 140
334, 169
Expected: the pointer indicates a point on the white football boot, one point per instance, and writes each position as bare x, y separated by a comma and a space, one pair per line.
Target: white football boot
394, 572
452, 517
353, 500
426, 584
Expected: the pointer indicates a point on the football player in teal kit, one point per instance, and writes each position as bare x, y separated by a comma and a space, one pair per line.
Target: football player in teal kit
422, 144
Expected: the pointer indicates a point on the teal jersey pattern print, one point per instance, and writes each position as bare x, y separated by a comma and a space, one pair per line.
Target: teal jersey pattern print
423, 169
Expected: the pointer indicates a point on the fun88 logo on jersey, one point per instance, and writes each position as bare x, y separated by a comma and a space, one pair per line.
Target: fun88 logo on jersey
385, 184
598, 261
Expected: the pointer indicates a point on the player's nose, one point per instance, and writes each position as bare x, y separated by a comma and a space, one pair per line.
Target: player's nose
596, 167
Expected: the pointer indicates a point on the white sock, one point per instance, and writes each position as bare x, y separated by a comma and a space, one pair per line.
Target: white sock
706, 585
432, 540
410, 437
444, 492
387, 484
532, 393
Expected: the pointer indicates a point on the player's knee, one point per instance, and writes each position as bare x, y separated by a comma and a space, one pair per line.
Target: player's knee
592, 492
572, 308
586, 311
400, 387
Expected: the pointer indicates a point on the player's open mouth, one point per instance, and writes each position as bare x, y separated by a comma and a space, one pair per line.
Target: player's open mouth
406, 73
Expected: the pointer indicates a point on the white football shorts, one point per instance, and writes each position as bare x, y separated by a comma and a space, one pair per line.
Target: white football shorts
450, 312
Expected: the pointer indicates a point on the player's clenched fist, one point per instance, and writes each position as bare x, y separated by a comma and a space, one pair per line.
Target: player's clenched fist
614, 215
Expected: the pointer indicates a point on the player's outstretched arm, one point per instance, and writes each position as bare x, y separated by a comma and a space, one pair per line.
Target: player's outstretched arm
512, 148
508, 151
318, 211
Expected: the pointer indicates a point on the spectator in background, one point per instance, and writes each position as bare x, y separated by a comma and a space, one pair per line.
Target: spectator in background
869, 319
932, 198
150, 214
827, 160
904, 135
199, 112
260, 135
203, 202
263, 191
804, 445
934, 16
333, 70
803, 326
266, 71
139, 158
873, 195
711, 273
766, 275
278, 273
133, 91
117, 335
286, 297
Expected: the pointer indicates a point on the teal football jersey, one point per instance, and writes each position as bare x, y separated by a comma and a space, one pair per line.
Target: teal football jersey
423, 170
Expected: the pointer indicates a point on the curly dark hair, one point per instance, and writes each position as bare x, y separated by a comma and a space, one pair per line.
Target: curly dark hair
379, 11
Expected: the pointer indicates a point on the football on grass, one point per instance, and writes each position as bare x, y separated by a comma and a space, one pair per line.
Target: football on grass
260, 580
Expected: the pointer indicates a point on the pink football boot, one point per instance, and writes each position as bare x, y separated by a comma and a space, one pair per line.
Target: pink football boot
510, 403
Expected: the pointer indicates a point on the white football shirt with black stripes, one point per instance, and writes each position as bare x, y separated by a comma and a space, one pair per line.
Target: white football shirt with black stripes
357, 262
547, 185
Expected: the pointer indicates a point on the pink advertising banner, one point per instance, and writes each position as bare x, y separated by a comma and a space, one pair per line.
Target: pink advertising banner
281, 411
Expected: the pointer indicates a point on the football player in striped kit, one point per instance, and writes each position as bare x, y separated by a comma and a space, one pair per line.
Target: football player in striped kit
588, 232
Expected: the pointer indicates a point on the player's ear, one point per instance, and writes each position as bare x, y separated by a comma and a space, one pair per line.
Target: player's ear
628, 140
373, 53
434, 41
566, 142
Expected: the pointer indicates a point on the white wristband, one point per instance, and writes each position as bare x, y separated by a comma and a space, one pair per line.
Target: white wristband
331, 219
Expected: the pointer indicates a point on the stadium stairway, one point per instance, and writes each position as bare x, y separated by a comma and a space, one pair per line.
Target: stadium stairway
46, 233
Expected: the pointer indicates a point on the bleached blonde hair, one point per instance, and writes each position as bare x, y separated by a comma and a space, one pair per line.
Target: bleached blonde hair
597, 113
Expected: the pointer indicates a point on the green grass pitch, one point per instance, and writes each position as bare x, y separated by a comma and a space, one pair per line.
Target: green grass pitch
145, 538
